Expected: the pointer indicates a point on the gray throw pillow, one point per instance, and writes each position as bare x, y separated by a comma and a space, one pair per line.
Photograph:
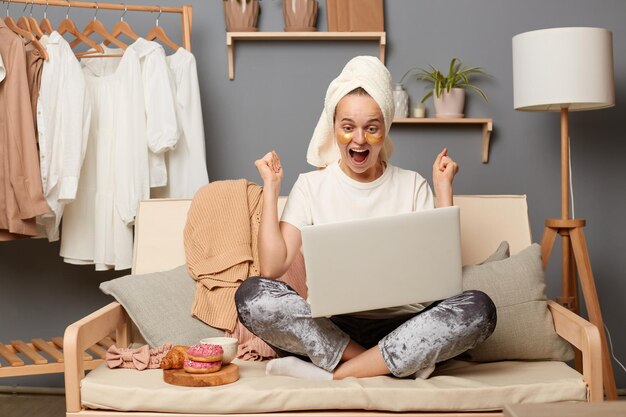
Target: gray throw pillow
500, 254
160, 306
524, 330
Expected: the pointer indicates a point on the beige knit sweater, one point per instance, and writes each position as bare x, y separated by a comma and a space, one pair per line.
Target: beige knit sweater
221, 247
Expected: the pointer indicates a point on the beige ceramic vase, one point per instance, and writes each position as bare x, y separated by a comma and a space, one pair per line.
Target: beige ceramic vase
300, 15
241, 15
450, 104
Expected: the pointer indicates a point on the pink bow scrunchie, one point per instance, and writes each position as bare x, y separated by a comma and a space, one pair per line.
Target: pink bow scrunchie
140, 358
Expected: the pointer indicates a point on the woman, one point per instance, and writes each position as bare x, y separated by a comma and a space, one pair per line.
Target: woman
351, 143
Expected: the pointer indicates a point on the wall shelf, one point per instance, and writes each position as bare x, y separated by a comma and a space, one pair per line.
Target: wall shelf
232, 37
487, 125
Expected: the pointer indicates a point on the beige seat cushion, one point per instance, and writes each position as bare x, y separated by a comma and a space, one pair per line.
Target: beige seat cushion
454, 386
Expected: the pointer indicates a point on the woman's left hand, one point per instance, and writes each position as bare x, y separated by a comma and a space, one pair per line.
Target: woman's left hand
444, 170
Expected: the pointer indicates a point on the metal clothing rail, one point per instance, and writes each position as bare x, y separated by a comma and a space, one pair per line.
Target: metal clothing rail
32, 362
185, 11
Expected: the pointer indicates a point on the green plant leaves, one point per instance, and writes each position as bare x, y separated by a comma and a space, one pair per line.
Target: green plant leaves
458, 77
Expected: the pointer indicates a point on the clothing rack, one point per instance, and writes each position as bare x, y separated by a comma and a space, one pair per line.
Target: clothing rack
185, 11
31, 361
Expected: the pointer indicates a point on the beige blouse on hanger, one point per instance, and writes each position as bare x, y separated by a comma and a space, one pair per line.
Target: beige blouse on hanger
21, 196
34, 67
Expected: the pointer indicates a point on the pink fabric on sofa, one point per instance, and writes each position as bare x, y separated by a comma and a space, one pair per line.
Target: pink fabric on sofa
252, 348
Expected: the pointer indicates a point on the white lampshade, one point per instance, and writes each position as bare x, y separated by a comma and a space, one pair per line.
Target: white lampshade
563, 67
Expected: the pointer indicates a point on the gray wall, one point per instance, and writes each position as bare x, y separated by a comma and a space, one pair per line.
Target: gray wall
277, 96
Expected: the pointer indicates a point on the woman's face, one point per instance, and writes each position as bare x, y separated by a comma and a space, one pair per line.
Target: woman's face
360, 133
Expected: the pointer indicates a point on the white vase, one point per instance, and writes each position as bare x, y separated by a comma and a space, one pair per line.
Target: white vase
401, 101
450, 104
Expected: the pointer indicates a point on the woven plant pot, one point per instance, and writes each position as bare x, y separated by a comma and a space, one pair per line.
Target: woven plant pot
300, 15
241, 15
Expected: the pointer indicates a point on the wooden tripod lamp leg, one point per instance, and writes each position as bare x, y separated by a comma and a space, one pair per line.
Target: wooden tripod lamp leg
547, 242
592, 303
578, 357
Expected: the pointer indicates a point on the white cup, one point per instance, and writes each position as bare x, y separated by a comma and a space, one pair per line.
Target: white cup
419, 111
229, 344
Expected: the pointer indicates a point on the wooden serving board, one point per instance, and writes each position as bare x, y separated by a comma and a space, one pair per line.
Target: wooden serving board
227, 375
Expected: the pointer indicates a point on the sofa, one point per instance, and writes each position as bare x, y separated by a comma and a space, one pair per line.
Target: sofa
458, 387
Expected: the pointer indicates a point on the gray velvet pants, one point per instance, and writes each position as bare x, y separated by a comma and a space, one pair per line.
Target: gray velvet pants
277, 314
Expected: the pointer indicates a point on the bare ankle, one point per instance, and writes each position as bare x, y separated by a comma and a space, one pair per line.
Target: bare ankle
351, 351
338, 374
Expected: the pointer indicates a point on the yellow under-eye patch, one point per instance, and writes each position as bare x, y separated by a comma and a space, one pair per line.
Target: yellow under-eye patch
344, 138
373, 139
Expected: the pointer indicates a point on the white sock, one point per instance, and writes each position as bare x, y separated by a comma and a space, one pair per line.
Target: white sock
424, 373
297, 368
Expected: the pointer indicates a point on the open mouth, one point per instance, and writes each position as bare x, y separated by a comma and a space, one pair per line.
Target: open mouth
359, 156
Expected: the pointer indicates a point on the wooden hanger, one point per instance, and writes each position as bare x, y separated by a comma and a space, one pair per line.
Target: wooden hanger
34, 26
22, 23
10, 22
123, 28
45, 24
68, 26
26, 34
29, 24
157, 33
16, 29
96, 26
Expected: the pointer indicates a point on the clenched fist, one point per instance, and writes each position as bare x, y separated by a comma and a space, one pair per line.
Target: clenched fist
444, 170
270, 169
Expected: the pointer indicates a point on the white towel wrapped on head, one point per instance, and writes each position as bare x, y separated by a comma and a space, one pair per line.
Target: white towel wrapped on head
368, 73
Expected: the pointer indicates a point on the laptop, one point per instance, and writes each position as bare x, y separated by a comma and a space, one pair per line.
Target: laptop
382, 262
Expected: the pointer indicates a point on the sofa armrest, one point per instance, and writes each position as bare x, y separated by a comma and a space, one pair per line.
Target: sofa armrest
586, 337
83, 334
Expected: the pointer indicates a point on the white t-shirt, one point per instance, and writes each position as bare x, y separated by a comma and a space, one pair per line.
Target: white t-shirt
329, 195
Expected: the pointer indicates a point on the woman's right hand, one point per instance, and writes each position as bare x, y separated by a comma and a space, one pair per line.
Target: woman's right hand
270, 169
275, 251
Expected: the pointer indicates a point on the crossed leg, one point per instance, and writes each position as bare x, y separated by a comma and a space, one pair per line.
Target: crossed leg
277, 314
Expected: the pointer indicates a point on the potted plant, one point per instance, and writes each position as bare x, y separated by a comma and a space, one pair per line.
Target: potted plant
449, 89
241, 15
300, 15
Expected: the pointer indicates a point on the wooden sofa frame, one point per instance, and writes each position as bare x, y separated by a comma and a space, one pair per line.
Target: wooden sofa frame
113, 318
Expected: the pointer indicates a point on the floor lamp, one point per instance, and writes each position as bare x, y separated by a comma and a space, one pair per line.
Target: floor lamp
563, 70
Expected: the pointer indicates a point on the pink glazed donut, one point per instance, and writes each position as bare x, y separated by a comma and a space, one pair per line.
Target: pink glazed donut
194, 367
205, 353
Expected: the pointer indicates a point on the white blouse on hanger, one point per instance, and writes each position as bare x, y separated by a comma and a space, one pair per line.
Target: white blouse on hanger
97, 226
163, 131
186, 165
161, 122
63, 118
